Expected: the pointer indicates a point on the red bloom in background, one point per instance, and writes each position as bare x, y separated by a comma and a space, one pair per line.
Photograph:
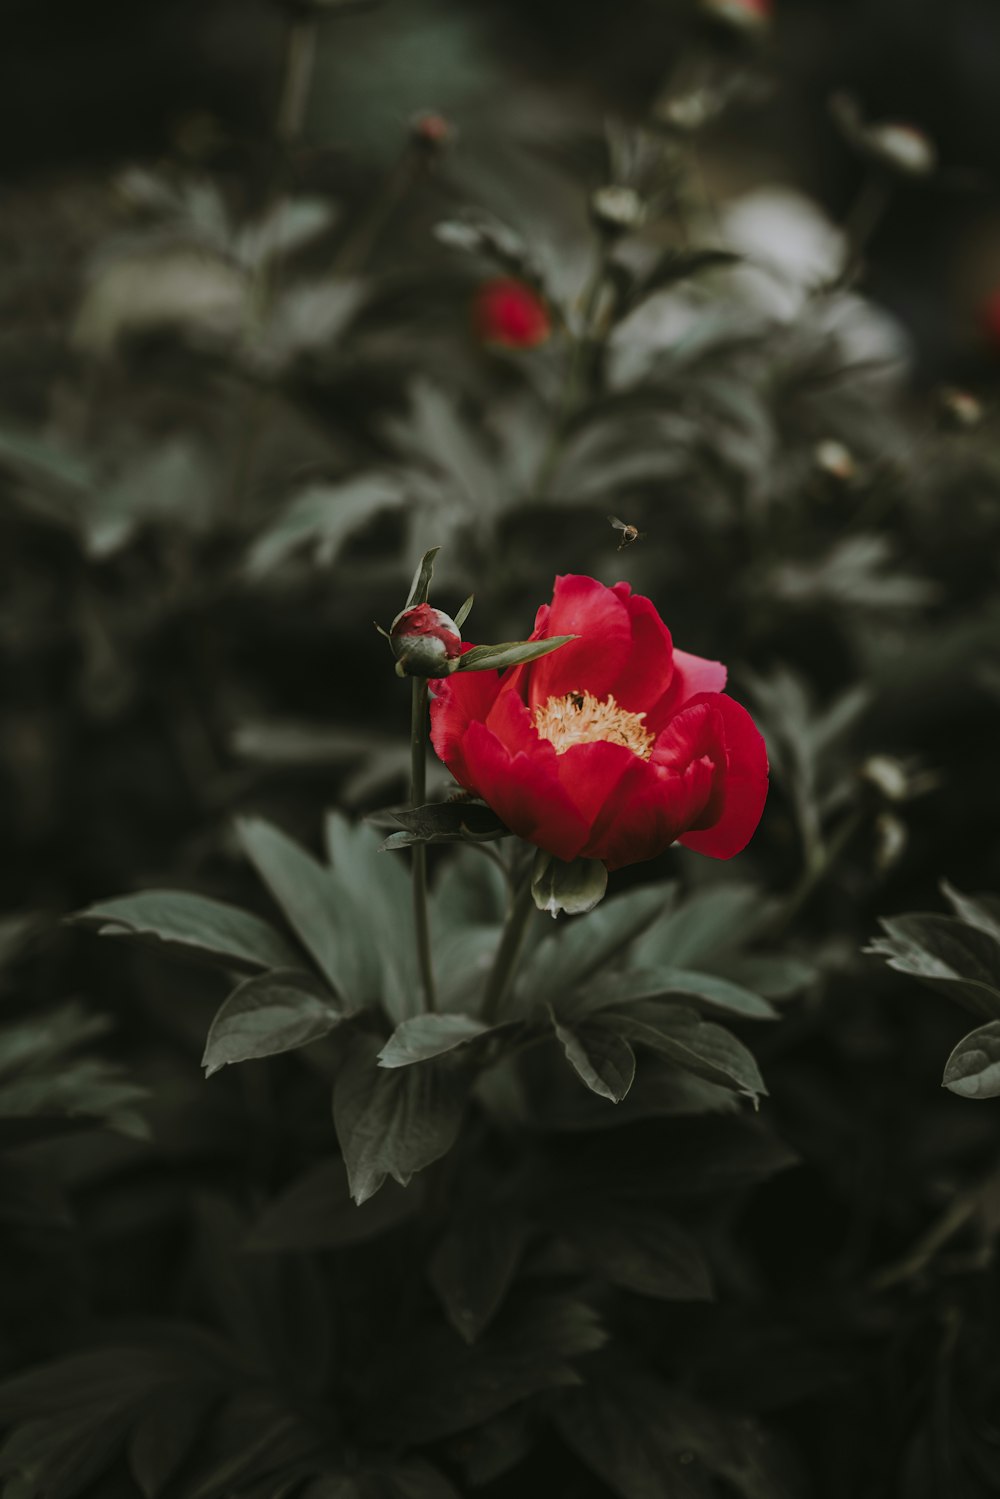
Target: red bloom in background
612, 747
510, 313
991, 318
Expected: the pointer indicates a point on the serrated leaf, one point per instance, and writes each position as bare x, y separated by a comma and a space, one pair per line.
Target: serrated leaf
425, 1036
269, 1014
393, 1122
203, 927
973, 1069
679, 1034
601, 1058
511, 653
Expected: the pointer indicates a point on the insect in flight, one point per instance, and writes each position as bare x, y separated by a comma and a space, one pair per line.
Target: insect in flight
629, 533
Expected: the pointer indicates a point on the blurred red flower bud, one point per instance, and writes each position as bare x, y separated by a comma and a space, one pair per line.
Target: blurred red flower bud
612, 747
747, 15
511, 314
427, 128
426, 642
990, 319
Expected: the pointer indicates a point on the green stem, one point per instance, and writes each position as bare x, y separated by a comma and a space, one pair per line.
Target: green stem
570, 398
863, 219
300, 59
816, 867
510, 945
418, 795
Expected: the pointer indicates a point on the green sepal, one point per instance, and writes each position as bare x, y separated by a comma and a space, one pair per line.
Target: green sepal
511, 653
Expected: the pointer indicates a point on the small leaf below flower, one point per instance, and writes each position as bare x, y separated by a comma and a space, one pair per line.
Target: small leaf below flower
271, 1013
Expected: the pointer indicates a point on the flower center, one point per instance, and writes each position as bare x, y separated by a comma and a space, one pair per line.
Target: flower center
581, 718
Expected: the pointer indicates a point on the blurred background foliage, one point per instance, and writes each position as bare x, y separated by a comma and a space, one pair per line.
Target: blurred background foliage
242, 391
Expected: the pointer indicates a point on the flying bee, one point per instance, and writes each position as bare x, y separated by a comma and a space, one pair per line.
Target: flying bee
629, 533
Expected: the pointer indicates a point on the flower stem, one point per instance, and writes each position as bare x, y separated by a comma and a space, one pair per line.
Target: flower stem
577, 371
300, 58
418, 795
510, 945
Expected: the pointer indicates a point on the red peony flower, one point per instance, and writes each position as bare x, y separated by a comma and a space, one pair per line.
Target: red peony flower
510, 313
612, 747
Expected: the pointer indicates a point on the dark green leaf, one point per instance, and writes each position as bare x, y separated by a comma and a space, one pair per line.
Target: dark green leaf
425, 1036
441, 1385
960, 960
620, 989
980, 911
973, 1069
639, 1248
600, 1057
164, 1435
705, 1049
321, 906
579, 949
648, 1440
193, 922
445, 822
511, 653
465, 610
393, 1122
317, 1212
271, 1013
473, 1266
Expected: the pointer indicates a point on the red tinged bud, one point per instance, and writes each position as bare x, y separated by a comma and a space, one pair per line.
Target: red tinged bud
426, 642
431, 130
745, 15
510, 314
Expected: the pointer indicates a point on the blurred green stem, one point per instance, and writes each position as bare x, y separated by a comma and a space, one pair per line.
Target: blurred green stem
300, 60
822, 857
579, 373
418, 795
361, 241
510, 945
863, 218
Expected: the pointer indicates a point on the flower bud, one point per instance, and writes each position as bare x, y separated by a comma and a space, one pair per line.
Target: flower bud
510, 314
426, 642
887, 776
959, 409
617, 210
835, 460
430, 131
748, 16
903, 148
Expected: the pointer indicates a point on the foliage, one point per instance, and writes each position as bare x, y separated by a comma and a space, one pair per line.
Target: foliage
661, 1198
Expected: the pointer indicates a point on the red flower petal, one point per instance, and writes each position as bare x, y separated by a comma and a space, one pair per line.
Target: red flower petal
649, 667
524, 791
743, 785
455, 703
582, 606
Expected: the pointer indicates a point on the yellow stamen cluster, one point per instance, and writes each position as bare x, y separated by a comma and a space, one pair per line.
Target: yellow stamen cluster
581, 718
